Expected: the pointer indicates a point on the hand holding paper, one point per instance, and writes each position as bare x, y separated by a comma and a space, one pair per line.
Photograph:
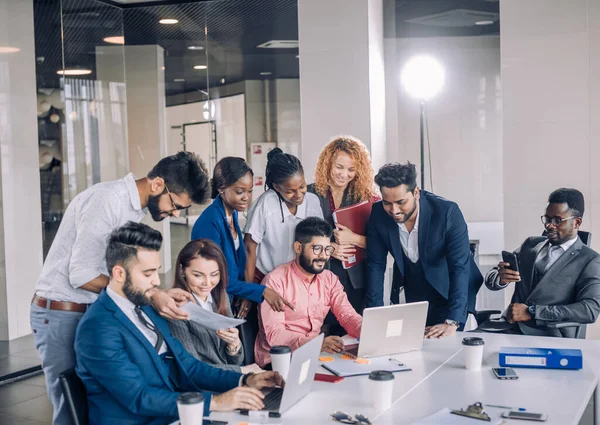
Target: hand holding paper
209, 319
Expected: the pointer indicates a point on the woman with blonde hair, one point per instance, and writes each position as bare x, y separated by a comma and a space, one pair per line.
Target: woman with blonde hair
344, 177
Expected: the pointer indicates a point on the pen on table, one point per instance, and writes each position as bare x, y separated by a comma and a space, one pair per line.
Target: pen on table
520, 409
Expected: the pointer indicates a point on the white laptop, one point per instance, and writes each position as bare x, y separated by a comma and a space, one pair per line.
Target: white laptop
301, 375
391, 329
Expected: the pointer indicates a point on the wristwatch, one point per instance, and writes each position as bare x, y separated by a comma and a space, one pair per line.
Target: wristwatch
245, 379
531, 310
451, 322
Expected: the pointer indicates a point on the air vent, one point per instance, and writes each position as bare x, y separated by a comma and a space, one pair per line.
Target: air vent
279, 44
456, 18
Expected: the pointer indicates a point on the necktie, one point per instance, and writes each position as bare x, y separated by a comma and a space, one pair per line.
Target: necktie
542, 264
146, 323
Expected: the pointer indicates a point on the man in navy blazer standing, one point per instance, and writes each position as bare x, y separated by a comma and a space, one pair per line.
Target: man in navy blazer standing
427, 236
132, 367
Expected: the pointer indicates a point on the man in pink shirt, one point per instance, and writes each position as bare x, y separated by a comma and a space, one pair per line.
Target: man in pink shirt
312, 289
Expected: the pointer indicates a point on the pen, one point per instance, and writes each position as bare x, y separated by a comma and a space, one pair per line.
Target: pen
520, 409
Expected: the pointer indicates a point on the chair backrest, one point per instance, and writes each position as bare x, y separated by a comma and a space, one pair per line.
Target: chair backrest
75, 397
248, 333
586, 237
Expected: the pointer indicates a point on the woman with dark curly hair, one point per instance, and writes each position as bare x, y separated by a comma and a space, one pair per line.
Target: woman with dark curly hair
344, 177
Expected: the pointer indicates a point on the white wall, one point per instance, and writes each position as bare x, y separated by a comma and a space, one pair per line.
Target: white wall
465, 128
20, 206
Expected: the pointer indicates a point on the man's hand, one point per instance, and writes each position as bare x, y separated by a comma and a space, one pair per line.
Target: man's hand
439, 331
239, 398
507, 275
332, 344
342, 252
343, 235
275, 300
265, 380
518, 313
167, 303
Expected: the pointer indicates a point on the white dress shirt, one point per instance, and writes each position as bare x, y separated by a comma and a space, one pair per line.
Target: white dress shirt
554, 251
78, 252
410, 241
128, 308
275, 238
206, 305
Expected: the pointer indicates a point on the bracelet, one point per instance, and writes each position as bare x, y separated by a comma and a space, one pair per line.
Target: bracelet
245, 379
234, 350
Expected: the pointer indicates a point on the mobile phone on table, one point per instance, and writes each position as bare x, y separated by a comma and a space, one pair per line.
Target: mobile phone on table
505, 373
511, 259
328, 378
526, 416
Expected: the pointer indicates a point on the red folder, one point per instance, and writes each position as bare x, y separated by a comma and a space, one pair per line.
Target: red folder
355, 217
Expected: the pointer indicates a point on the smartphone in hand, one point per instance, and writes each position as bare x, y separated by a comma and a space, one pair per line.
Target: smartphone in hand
511, 259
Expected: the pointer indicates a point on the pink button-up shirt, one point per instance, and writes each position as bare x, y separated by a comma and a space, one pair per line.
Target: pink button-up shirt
312, 299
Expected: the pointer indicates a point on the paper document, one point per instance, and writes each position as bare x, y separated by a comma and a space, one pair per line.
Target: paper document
209, 319
444, 417
349, 340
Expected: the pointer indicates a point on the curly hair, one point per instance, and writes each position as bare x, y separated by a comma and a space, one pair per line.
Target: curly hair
361, 187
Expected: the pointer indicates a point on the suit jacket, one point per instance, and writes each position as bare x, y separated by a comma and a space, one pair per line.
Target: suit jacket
444, 253
354, 277
212, 224
205, 345
124, 377
568, 291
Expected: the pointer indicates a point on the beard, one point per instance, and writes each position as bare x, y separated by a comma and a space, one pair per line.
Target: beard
310, 266
407, 216
154, 209
134, 295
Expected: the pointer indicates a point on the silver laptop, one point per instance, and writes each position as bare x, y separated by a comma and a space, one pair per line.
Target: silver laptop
301, 375
391, 329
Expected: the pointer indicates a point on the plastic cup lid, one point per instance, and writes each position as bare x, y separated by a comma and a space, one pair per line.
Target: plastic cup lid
190, 398
280, 349
381, 375
473, 341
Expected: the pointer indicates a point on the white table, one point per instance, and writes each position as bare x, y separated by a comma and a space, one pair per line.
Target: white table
438, 379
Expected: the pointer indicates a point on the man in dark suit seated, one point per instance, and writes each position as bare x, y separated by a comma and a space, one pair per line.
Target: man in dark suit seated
559, 277
427, 236
131, 366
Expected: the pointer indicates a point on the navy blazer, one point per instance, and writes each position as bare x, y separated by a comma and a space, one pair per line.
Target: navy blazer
213, 225
444, 253
124, 377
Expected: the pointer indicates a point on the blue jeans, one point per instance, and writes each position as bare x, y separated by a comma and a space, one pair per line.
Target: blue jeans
54, 334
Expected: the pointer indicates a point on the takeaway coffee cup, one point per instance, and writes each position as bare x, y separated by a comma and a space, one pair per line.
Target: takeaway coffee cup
473, 349
281, 356
379, 388
191, 408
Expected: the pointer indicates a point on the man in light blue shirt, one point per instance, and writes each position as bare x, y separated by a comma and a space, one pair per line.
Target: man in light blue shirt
75, 270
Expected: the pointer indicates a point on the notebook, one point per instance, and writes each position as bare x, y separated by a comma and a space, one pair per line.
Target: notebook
348, 368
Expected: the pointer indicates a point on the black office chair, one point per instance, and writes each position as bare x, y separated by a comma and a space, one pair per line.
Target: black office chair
75, 396
248, 333
483, 316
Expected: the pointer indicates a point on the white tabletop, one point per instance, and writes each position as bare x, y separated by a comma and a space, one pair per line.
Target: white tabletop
438, 379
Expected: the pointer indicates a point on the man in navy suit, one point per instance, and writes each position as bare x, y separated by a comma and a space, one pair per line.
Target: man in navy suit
427, 236
132, 368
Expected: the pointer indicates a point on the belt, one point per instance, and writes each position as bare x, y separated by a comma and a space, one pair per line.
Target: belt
59, 305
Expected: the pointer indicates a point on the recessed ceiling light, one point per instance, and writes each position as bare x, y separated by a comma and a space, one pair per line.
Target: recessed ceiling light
195, 48
200, 67
9, 49
117, 39
74, 71
265, 73
168, 21
222, 80
179, 80
484, 22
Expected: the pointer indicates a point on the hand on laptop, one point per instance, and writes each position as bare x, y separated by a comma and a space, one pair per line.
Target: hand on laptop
332, 344
239, 398
439, 331
265, 380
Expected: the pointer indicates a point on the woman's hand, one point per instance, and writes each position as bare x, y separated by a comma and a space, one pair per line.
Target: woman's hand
243, 307
344, 236
231, 336
276, 301
342, 252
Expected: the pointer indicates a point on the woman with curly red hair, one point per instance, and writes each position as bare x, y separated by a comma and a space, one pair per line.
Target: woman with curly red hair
344, 177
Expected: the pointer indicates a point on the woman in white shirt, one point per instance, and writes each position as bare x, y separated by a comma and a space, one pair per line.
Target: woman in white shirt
201, 270
272, 218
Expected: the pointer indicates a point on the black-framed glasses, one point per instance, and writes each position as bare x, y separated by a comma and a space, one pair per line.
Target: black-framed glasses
176, 206
349, 419
555, 221
318, 249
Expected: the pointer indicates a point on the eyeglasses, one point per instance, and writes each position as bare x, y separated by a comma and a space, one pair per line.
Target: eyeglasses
555, 221
318, 249
348, 419
176, 207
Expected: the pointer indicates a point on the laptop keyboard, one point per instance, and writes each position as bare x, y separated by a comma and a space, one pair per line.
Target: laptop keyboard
352, 349
272, 400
